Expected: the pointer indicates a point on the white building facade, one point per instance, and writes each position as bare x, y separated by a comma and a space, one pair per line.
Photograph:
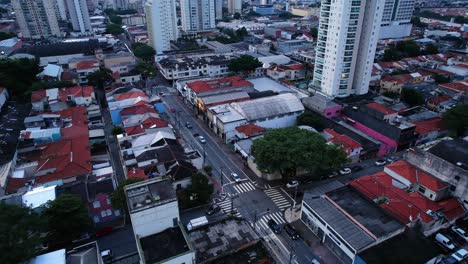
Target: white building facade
161, 21
396, 19
79, 15
36, 18
197, 15
346, 43
234, 6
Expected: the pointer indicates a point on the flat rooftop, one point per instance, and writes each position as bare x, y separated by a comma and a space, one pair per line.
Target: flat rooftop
164, 245
366, 212
454, 151
150, 193
222, 238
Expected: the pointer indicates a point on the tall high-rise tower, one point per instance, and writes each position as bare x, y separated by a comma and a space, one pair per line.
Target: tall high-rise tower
79, 15
197, 15
161, 20
234, 6
36, 18
346, 43
396, 19
219, 9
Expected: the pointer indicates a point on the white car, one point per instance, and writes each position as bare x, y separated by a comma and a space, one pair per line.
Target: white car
380, 162
345, 171
236, 177
292, 184
202, 139
460, 254
459, 232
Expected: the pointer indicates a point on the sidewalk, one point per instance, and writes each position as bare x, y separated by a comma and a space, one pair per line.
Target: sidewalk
294, 215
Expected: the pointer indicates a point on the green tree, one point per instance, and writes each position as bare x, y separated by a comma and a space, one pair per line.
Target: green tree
309, 119
4, 35
244, 64
117, 130
460, 19
314, 32
285, 15
146, 69
114, 29
201, 188
411, 96
390, 94
118, 198
456, 119
391, 54
409, 47
143, 51
115, 19
20, 230
18, 75
237, 15
416, 21
100, 77
285, 150
439, 78
431, 49
67, 218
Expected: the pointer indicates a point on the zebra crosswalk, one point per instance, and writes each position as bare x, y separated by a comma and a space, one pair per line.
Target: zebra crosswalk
226, 207
244, 187
277, 197
263, 221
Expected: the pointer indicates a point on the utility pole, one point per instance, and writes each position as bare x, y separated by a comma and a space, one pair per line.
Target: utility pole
222, 179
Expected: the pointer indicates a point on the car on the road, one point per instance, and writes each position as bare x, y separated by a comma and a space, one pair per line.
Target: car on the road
188, 125
460, 233
380, 162
236, 177
460, 255
345, 171
356, 168
213, 209
202, 139
172, 109
291, 231
106, 255
292, 184
274, 226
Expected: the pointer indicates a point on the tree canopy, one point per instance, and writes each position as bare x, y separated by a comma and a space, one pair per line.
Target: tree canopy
314, 32
245, 63
411, 96
402, 49
198, 193
146, 69
20, 232
237, 15
114, 29
117, 130
67, 217
118, 199
18, 75
431, 49
115, 19
100, 77
143, 51
309, 119
5, 35
285, 150
456, 119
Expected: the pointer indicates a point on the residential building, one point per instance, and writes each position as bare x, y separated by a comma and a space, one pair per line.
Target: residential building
57, 99
219, 9
264, 10
134, 19
292, 72
322, 105
396, 19
197, 15
389, 83
79, 15
289, 46
161, 21
234, 6
305, 11
346, 44
351, 147
36, 18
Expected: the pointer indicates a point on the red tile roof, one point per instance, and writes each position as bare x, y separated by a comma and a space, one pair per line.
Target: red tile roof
452, 208
129, 95
250, 130
414, 175
460, 86
390, 78
347, 143
14, 184
382, 109
437, 71
426, 126
137, 173
296, 67
150, 122
216, 84
138, 110
439, 99
78, 126
37, 96
462, 65
404, 206
87, 65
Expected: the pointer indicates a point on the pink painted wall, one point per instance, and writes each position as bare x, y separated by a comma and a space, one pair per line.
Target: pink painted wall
388, 145
332, 111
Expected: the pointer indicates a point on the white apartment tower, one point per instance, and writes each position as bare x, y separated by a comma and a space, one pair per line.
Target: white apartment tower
235, 6
161, 20
36, 18
79, 15
396, 19
197, 15
219, 9
346, 43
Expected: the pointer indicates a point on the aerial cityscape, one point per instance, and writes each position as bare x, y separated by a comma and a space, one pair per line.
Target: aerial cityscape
233, 131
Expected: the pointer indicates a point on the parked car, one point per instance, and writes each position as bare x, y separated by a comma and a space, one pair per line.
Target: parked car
274, 226
356, 168
459, 232
390, 160
202, 139
444, 241
380, 162
291, 231
106, 255
236, 177
345, 171
292, 184
460, 254
188, 125
213, 209
332, 174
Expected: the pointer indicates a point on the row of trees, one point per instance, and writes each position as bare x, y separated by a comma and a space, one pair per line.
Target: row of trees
409, 48
23, 230
232, 36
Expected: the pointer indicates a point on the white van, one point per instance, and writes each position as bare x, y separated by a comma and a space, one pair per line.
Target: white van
444, 241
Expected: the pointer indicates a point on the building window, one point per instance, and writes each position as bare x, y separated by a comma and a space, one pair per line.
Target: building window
422, 189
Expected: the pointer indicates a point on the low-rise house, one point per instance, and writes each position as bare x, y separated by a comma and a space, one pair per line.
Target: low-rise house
433, 103
459, 69
289, 46
389, 83
248, 131
85, 68
102, 212
57, 99
351, 147
124, 98
454, 88
51, 72
291, 72
322, 105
